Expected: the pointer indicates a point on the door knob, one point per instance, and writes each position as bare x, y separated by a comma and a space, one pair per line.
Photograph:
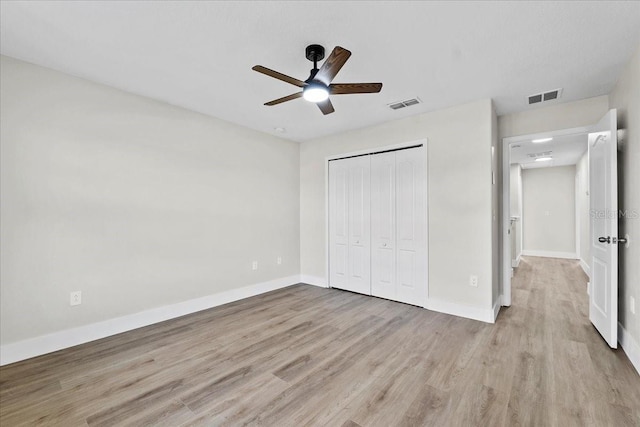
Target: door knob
384, 245
604, 239
620, 240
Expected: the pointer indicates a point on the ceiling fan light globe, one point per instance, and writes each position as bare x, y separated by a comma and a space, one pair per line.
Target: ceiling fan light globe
315, 93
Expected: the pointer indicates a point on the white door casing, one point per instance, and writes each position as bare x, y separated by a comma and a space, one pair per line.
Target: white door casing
603, 190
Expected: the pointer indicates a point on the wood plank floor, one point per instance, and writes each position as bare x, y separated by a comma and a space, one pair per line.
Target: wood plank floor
310, 356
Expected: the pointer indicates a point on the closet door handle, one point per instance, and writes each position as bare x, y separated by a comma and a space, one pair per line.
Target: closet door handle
384, 245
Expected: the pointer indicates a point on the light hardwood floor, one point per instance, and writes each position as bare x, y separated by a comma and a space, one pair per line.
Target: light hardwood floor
310, 356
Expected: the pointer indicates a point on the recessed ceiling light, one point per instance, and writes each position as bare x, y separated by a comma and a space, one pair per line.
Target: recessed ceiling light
279, 130
544, 159
537, 141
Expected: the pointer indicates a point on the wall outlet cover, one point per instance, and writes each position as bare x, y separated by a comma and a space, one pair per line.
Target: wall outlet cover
75, 298
473, 281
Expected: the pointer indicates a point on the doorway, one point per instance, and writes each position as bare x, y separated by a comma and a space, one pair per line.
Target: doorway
594, 185
533, 162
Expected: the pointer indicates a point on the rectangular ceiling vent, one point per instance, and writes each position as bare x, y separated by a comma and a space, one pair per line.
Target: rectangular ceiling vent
407, 103
543, 154
546, 96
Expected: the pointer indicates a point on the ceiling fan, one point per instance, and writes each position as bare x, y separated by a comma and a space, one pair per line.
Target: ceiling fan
318, 86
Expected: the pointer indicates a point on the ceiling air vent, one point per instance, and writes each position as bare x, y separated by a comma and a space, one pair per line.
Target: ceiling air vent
407, 103
534, 99
546, 96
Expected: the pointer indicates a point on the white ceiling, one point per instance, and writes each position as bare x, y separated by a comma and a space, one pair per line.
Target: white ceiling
565, 150
199, 55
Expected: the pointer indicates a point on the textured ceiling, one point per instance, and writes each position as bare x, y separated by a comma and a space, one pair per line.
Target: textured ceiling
199, 55
565, 150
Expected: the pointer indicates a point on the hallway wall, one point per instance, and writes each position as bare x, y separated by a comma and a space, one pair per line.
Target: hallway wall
548, 199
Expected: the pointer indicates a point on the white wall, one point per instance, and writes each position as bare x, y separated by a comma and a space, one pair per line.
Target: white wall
136, 203
582, 205
626, 99
549, 210
460, 201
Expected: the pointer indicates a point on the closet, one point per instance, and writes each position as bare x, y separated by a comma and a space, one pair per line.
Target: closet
378, 225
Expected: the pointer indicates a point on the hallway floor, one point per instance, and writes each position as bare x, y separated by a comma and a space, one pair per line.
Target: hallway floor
582, 380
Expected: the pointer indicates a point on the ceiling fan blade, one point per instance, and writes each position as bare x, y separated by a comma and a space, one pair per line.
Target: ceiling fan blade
279, 76
326, 106
346, 88
332, 65
284, 99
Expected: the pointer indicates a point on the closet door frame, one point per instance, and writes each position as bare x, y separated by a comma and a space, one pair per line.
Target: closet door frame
420, 142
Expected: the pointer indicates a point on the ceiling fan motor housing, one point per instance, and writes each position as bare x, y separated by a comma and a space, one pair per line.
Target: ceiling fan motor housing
314, 52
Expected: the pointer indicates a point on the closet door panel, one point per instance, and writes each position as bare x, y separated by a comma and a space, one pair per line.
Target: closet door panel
359, 226
411, 217
338, 223
383, 225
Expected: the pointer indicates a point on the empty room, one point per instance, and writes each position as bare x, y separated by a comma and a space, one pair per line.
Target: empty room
319, 213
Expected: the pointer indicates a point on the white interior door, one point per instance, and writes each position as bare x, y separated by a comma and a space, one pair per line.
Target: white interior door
349, 224
359, 268
383, 225
411, 229
338, 223
603, 189
398, 226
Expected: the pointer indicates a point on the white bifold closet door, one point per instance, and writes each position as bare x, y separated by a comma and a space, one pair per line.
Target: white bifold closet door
377, 225
349, 224
398, 226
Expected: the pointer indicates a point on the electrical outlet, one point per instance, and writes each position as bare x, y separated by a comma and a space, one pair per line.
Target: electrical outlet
279, 260
632, 305
254, 265
473, 281
75, 298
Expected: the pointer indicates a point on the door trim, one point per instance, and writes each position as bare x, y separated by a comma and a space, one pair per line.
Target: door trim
370, 151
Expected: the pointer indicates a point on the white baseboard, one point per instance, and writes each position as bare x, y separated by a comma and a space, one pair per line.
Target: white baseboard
585, 268
482, 314
550, 254
314, 280
44, 344
515, 262
630, 347
496, 308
